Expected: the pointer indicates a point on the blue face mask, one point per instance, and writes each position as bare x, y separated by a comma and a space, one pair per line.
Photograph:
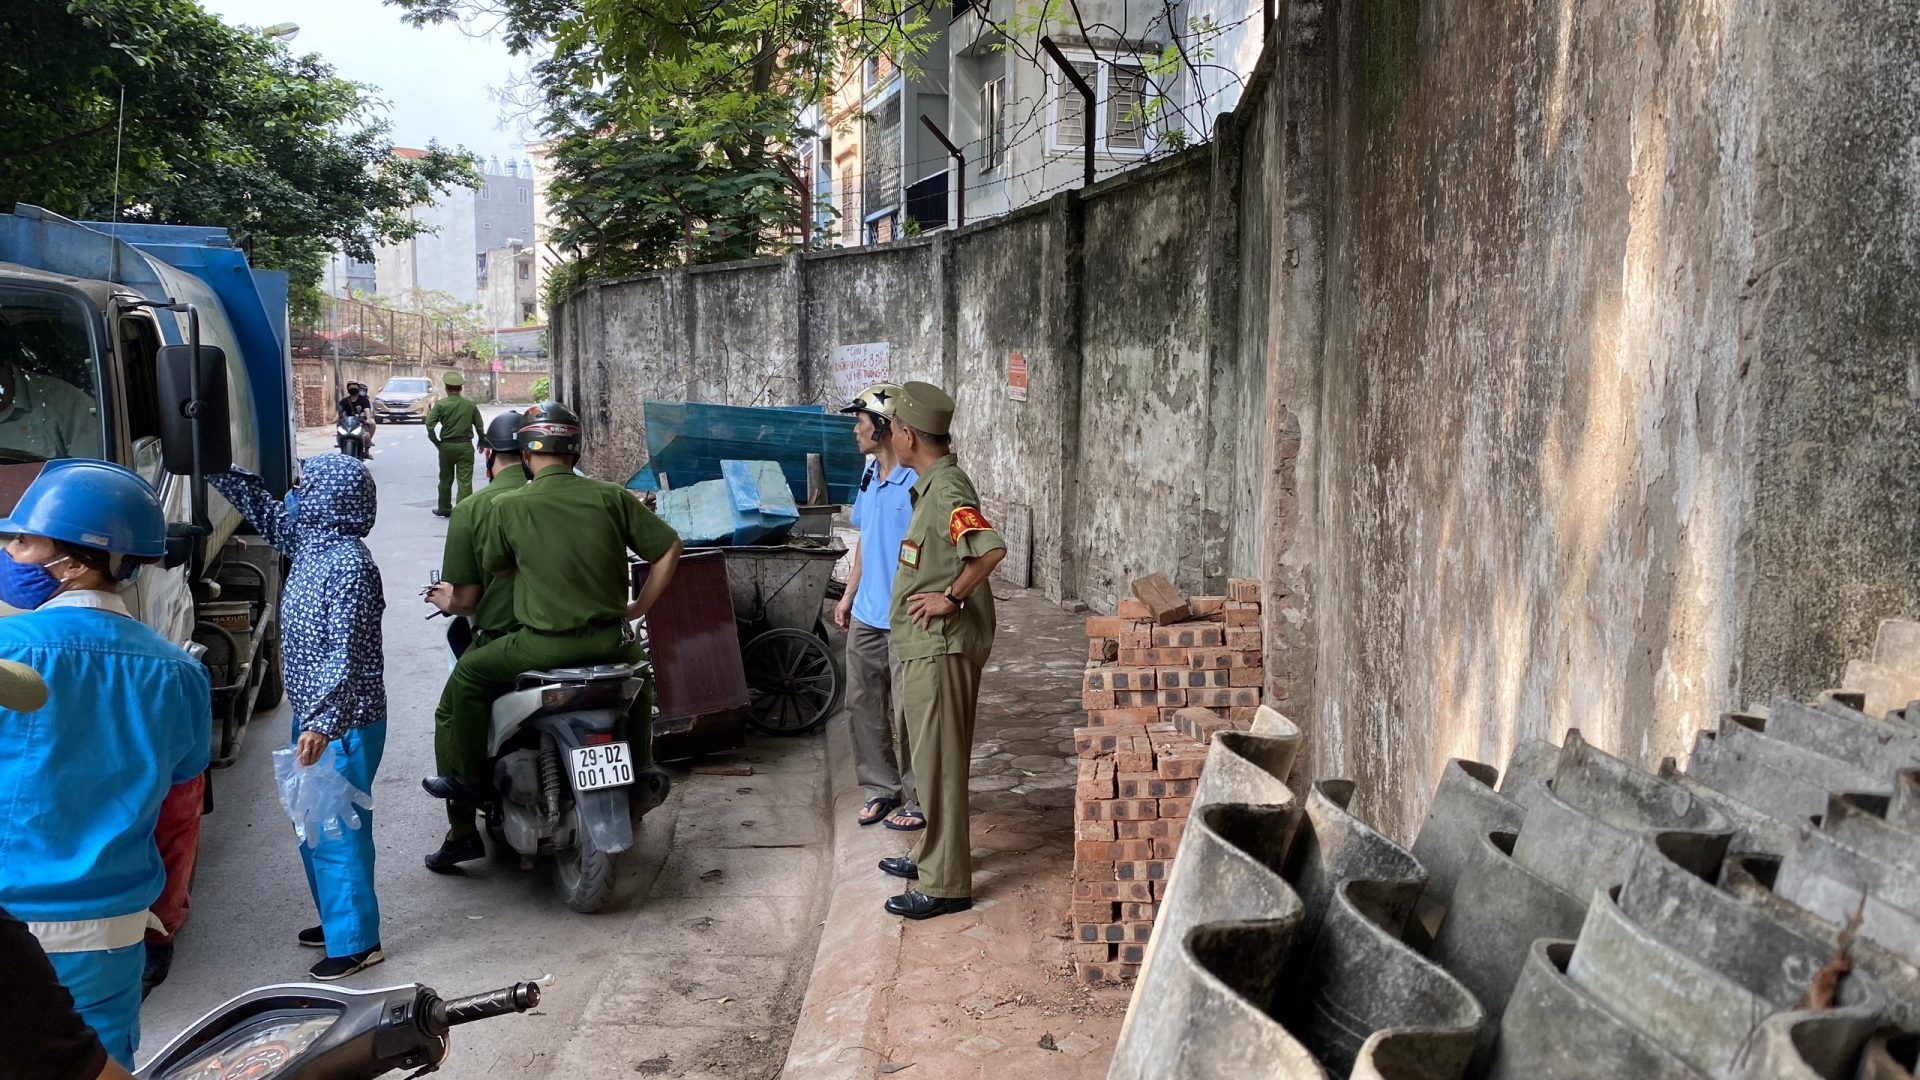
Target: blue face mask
25, 585
292, 503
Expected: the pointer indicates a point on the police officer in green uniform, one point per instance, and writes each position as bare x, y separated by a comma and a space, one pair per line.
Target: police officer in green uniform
564, 539
943, 628
457, 421
465, 589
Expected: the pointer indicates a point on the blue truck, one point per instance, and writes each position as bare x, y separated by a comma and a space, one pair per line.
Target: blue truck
157, 347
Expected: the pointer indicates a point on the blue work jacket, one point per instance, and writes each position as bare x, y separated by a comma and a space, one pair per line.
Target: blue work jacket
128, 715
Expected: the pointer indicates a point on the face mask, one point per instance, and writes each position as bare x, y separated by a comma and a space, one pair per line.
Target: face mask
292, 503
26, 585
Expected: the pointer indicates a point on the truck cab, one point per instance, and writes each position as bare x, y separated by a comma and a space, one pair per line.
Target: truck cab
87, 312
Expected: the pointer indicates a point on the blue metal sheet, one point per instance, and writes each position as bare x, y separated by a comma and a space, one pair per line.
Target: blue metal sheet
688, 440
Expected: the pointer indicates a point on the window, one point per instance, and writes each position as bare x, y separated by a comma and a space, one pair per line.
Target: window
525, 196
526, 310
1120, 126
486, 193
881, 161
993, 124
849, 220
480, 270
51, 357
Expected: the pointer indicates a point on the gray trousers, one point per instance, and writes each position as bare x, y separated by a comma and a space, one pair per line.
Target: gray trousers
875, 716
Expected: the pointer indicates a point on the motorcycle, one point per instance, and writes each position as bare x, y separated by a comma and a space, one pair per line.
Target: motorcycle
563, 778
350, 435
313, 1032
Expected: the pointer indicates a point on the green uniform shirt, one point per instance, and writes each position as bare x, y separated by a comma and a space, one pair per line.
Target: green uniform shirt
458, 418
460, 565
566, 538
50, 418
945, 529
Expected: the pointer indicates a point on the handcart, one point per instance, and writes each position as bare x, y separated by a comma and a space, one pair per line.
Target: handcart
793, 681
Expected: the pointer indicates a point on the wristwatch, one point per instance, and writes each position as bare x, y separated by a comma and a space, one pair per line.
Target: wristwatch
952, 599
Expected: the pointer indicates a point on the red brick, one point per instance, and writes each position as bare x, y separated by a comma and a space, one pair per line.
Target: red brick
1174, 678
1133, 761
1242, 715
1206, 605
1210, 698
1132, 809
1187, 636
1093, 740
1122, 718
1134, 785
1245, 697
1209, 658
1164, 603
1180, 767
1099, 953
1130, 955
1141, 869
1131, 608
1136, 639
1105, 650
1246, 616
1175, 808
1149, 699
1116, 851
1133, 829
1095, 810
1241, 639
1131, 678
1167, 847
1244, 590
1091, 700
1095, 870
1093, 790
1103, 626
1093, 768
1095, 830
1094, 974
1165, 829
1246, 657
1137, 912
1246, 676
1098, 911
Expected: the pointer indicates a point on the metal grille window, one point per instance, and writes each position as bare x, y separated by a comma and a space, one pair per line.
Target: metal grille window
993, 123
849, 216
1126, 102
1070, 110
881, 159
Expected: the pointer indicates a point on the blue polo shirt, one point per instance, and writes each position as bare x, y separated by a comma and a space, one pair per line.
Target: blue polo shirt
880, 511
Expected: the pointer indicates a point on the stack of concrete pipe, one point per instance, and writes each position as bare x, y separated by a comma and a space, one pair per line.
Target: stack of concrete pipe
1757, 916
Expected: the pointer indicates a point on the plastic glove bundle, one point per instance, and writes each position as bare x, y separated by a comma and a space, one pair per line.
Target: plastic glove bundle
317, 798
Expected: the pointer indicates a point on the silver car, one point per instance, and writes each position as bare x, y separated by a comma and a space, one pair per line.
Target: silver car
404, 398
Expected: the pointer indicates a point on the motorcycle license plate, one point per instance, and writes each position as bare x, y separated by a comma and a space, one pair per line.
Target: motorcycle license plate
603, 766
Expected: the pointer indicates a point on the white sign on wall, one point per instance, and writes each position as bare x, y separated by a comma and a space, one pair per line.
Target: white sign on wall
856, 367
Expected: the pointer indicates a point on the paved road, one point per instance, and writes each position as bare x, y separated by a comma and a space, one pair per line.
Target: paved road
637, 991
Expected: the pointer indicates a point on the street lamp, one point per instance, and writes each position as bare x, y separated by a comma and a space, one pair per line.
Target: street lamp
285, 31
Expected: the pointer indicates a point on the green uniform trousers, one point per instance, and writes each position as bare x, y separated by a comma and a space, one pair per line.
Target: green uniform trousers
941, 694
456, 462
464, 716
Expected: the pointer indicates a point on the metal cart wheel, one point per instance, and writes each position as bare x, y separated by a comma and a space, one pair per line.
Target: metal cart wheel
792, 683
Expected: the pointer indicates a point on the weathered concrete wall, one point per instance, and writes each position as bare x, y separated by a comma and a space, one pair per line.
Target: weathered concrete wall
1615, 396
1554, 365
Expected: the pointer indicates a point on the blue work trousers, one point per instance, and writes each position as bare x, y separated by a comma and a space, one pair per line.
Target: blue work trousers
340, 872
105, 985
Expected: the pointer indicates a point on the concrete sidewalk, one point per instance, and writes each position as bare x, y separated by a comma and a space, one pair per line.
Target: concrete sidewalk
981, 993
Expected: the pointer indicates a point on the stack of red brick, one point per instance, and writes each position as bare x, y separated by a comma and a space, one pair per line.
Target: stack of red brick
1162, 676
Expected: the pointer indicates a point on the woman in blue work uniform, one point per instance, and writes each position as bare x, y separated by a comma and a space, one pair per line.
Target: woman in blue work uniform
332, 654
128, 715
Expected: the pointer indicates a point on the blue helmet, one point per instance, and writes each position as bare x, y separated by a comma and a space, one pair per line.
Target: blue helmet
92, 503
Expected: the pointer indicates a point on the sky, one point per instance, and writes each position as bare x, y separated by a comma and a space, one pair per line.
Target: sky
437, 82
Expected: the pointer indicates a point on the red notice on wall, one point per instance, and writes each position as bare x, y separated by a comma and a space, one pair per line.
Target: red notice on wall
1017, 376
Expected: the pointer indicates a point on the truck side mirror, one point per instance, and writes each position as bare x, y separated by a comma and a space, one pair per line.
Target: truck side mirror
181, 538
178, 408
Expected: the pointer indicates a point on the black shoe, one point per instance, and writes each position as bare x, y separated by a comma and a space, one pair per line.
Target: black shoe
453, 852
453, 790
159, 963
314, 937
437, 512
918, 905
900, 866
339, 967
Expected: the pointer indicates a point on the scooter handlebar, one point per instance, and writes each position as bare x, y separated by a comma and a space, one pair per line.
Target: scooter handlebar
516, 998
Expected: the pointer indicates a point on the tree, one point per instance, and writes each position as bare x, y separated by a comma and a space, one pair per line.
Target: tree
221, 126
674, 122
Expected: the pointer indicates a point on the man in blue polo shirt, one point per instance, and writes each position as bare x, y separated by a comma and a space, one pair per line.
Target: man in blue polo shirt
874, 710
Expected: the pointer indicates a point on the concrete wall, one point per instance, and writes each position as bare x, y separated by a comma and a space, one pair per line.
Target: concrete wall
1553, 364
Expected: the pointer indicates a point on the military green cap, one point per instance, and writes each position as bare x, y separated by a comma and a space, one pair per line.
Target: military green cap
454, 378
21, 688
924, 407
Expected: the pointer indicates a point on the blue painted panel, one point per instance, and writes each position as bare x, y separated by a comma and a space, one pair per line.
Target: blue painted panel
688, 441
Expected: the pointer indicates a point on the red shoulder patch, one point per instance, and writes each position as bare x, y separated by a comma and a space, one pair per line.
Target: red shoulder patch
965, 519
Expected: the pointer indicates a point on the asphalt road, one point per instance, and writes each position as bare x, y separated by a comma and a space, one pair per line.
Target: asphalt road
697, 972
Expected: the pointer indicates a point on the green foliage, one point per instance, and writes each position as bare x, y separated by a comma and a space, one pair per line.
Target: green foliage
222, 127
673, 123
542, 388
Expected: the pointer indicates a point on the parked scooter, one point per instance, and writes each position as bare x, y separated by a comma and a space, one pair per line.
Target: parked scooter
313, 1032
563, 776
350, 434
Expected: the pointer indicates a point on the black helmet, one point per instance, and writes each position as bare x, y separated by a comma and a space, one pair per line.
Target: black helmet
501, 431
549, 428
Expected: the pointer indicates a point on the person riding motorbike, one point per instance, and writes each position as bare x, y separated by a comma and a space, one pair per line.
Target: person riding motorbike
465, 589
128, 716
357, 403
563, 539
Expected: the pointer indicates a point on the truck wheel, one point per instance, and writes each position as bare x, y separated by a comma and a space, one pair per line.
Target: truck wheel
273, 683
585, 875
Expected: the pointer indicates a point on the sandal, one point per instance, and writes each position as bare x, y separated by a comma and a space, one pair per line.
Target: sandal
877, 809
907, 821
